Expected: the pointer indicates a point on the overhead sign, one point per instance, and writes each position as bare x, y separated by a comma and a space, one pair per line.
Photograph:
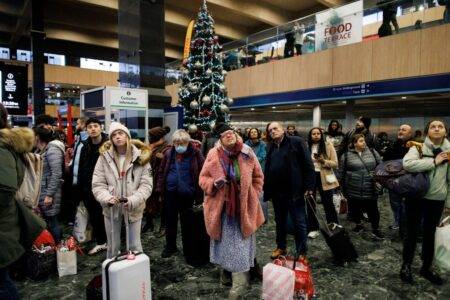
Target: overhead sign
404, 86
340, 26
129, 99
14, 89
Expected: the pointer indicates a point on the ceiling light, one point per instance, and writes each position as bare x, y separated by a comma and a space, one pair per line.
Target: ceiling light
252, 108
298, 105
404, 97
273, 107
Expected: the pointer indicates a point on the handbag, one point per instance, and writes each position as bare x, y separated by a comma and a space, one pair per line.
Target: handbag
442, 244
340, 203
81, 222
278, 282
40, 265
331, 178
303, 286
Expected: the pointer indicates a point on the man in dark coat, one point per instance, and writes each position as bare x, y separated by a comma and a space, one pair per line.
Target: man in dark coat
88, 159
397, 151
288, 177
362, 126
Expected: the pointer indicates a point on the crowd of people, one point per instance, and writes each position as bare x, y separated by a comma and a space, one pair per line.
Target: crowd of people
232, 174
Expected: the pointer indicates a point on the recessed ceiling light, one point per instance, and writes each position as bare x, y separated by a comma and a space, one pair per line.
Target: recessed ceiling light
252, 108
298, 105
273, 107
404, 97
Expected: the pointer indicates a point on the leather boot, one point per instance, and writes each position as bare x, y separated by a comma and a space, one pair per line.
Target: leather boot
256, 272
406, 274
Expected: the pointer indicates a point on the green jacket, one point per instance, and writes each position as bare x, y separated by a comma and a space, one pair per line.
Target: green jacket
439, 175
13, 143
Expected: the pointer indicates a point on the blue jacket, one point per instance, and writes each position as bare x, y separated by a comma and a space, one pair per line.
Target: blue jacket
260, 149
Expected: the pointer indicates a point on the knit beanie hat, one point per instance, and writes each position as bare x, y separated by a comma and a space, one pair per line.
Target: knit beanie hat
157, 133
366, 121
221, 128
118, 126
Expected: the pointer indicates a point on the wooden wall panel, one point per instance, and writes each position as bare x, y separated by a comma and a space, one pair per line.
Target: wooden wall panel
52, 110
433, 14
396, 56
352, 63
316, 70
435, 50
261, 79
287, 74
77, 76
237, 83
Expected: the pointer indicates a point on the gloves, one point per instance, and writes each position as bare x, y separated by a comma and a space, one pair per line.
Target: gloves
219, 183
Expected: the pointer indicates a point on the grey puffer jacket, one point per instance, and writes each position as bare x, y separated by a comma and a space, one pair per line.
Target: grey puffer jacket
357, 180
52, 177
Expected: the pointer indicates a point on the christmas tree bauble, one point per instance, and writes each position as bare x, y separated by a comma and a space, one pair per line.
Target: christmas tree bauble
185, 71
224, 72
193, 87
192, 128
206, 100
194, 104
224, 108
229, 101
198, 65
208, 72
222, 87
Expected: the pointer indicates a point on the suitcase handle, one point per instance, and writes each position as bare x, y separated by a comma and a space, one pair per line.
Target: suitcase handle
316, 214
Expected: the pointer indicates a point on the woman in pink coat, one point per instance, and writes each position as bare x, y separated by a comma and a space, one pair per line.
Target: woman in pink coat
232, 180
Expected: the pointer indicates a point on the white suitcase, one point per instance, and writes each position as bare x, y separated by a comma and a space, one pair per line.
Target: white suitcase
126, 279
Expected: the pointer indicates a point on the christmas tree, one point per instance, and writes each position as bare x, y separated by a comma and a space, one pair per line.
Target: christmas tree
203, 93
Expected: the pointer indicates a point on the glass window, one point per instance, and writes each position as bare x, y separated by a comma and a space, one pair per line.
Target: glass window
96, 64
4, 53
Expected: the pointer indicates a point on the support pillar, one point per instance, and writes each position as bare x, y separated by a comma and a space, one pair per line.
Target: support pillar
37, 49
349, 115
317, 115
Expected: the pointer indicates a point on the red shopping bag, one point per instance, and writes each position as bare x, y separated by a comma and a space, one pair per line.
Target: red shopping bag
304, 285
44, 239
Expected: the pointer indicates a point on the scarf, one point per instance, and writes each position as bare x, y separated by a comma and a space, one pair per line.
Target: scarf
230, 165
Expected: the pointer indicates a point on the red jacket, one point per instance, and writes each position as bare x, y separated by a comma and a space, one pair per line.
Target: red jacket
251, 183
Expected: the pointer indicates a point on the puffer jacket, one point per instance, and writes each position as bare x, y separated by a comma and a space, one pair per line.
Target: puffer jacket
137, 185
356, 176
52, 177
260, 149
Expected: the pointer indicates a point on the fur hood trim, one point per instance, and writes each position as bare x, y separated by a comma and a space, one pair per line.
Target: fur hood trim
20, 139
143, 157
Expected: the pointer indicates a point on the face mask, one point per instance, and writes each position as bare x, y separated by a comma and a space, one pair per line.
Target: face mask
180, 149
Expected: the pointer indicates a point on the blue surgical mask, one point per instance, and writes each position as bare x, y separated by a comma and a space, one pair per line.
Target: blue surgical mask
180, 149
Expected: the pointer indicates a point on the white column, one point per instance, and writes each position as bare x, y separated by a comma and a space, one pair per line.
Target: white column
316, 115
349, 116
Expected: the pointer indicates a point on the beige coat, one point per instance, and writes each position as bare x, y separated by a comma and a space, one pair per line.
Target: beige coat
138, 183
327, 168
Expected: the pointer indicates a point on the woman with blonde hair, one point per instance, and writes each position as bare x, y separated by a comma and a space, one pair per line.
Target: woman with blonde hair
122, 183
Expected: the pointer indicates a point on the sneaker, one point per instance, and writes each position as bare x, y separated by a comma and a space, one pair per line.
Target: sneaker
168, 252
358, 228
97, 249
431, 276
277, 252
313, 234
377, 234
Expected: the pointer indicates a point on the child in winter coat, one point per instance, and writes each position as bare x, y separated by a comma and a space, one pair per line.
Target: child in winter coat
122, 182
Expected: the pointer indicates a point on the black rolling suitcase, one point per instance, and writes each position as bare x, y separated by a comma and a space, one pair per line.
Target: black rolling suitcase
337, 239
194, 237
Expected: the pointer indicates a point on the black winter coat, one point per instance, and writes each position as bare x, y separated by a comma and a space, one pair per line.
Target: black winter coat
300, 170
88, 159
397, 150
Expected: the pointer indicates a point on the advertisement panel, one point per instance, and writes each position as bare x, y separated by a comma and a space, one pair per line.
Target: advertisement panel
340, 26
14, 88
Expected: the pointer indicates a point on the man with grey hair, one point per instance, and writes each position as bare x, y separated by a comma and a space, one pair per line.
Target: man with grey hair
289, 178
397, 151
178, 186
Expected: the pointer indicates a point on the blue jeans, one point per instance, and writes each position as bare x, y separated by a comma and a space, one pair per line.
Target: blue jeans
53, 227
8, 289
398, 207
282, 205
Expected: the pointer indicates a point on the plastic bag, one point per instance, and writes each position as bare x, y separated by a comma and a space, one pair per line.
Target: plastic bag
81, 222
442, 245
